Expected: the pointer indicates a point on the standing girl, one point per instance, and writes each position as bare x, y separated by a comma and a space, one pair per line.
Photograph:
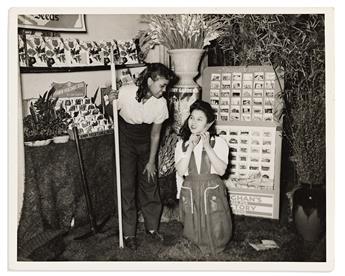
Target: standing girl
201, 158
142, 110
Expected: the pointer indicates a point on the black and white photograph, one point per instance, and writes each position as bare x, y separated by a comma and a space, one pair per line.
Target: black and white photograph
122, 134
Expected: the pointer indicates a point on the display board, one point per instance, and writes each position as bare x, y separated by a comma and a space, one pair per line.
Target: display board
248, 105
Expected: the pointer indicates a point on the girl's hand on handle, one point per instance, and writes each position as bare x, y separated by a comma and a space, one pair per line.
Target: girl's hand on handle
151, 171
113, 95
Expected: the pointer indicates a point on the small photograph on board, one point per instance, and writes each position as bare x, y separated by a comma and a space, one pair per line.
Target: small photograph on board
214, 93
258, 93
215, 85
247, 84
243, 158
265, 160
269, 84
267, 150
257, 101
224, 94
258, 85
235, 101
235, 116
247, 76
255, 142
257, 110
266, 142
244, 141
222, 130
244, 132
257, 117
236, 84
270, 76
236, 93
243, 166
255, 158
233, 141
255, 133
269, 101
246, 117
246, 110
246, 101
224, 102
268, 110
226, 77
237, 76
233, 133
214, 101
267, 134
258, 76
244, 150
215, 77
268, 117
224, 117
269, 93
255, 150
224, 110
226, 86
247, 92
235, 109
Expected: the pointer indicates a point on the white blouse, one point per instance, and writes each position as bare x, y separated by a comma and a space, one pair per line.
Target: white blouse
152, 111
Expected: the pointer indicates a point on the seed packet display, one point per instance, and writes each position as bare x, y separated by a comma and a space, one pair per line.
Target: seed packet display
236, 76
258, 76
214, 93
247, 84
236, 85
258, 85
36, 51
254, 161
258, 93
128, 52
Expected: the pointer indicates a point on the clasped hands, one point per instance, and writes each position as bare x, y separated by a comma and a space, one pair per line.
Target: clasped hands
194, 139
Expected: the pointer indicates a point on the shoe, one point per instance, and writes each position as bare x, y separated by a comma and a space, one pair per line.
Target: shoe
131, 243
154, 236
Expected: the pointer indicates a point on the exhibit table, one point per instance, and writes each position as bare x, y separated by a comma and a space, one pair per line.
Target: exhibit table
53, 199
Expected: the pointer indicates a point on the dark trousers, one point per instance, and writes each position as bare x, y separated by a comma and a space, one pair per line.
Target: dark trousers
134, 155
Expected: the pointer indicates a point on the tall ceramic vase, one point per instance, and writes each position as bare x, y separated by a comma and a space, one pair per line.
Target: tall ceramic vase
185, 64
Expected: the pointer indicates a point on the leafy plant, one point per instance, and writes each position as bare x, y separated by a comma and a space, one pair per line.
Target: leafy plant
176, 31
44, 122
294, 43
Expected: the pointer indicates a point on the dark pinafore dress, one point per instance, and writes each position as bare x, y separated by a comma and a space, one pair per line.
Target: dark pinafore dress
204, 208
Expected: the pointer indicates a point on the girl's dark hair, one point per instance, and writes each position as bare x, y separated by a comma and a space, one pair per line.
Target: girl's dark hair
209, 112
153, 71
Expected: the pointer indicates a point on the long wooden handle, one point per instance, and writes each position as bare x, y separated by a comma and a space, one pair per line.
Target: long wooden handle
116, 148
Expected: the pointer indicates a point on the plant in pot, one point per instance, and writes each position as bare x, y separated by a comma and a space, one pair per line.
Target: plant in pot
307, 136
60, 126
41, 125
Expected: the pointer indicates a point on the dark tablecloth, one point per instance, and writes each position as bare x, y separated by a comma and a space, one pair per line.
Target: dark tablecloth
53, 192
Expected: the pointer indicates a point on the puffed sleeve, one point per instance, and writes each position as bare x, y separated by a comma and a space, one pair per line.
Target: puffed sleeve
221, 148
162, 113
179, 154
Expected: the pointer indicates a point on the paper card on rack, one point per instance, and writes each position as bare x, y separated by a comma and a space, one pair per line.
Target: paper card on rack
237, 76
247, 92
236, 84
226, 77
269, 84
258, 76
270, 76
215, 85
215, 77
247, 84
247, 76
258, 85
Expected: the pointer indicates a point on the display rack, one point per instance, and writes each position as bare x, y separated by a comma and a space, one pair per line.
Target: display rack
67, 69
248, 107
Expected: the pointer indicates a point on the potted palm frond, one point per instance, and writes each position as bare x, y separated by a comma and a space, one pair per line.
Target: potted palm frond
45, 122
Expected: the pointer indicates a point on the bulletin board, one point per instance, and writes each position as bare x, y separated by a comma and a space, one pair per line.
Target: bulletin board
248, 105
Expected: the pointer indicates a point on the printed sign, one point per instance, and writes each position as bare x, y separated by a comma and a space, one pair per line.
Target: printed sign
53, 22
256, 205
69, 89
